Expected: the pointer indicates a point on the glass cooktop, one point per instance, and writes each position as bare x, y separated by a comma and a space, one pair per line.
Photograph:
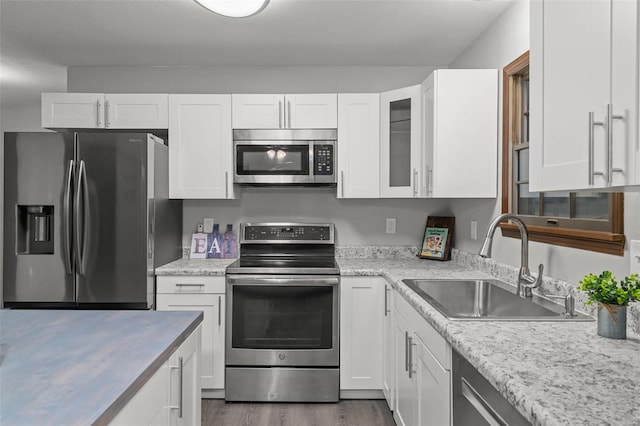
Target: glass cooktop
284, 265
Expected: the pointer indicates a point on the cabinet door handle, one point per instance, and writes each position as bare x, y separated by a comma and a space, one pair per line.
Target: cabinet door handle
610, 117
415, 183
592, 124
429, 181
406, 351
99, 114
219, 310
280, 114
106, 114
342, 184
386, 300
226, 184
288, 123
410, 356
180, 390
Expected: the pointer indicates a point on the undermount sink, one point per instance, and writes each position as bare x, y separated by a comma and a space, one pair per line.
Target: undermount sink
491, 300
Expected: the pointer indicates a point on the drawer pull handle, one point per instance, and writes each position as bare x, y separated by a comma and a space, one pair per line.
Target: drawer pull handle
189, 285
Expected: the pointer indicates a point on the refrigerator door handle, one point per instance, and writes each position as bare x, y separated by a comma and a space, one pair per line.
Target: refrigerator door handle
66, 217
82, 238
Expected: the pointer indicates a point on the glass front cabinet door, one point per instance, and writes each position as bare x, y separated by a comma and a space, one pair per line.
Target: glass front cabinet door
400, 143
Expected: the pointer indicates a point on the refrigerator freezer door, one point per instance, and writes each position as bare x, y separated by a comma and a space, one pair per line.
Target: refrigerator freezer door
36, 226
112, 214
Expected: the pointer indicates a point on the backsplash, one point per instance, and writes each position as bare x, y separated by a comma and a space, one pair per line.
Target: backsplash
377, 252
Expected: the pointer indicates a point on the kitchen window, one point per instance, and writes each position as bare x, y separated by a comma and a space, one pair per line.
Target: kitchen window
585, 220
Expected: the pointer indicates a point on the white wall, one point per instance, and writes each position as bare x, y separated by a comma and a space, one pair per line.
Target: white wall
357, 221
503, 42
245, 79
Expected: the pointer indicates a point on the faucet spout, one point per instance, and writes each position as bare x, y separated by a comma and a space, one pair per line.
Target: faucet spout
526, 281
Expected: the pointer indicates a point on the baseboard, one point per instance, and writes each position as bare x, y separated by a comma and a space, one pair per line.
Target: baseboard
344, 394
361, 394
213, 393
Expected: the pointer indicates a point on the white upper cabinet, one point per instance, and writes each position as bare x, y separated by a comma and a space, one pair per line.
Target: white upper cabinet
584, 94
400, 143
460, 128
358, 145
308, 111
105, 111
200, 147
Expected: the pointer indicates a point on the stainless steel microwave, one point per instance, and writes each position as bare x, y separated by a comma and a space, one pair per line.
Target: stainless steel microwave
284, 156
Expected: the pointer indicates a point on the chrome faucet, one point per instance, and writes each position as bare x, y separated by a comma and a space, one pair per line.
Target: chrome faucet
526, 281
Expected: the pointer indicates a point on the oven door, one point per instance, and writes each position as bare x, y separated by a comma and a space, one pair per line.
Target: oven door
273, 162
282, 321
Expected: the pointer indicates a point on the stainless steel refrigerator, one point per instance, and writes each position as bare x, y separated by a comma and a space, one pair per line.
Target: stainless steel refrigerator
87, 218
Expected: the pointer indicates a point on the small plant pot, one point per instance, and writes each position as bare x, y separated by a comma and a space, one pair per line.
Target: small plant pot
612, 321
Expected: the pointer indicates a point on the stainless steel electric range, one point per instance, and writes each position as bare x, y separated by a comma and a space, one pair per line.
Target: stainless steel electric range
282, 328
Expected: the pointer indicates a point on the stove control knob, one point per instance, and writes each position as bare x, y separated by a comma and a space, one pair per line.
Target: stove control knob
282, 357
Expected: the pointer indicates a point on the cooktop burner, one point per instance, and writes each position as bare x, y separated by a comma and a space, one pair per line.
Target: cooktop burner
286, 248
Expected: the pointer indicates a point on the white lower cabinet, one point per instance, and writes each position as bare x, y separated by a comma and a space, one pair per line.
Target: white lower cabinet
361, 333
172, 395
185, 400
422, 368
206, 294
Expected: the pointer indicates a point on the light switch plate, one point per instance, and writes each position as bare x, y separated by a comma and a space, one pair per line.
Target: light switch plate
634, 252
474, 229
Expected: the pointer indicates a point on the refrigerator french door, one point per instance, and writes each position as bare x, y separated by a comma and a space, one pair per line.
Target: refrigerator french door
82, 214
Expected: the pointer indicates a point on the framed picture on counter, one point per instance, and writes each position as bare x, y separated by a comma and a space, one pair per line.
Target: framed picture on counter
436, 243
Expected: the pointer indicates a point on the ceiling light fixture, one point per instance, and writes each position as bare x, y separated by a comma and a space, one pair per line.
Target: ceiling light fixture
234, 8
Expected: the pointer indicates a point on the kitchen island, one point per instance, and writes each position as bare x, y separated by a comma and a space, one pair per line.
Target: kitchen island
81, 367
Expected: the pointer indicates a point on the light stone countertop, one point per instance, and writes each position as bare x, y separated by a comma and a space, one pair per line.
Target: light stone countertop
186, 266
553, 373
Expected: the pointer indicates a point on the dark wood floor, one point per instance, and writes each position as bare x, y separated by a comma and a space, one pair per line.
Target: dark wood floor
344, 413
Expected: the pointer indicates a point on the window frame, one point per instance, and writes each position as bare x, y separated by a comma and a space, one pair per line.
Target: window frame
609, 242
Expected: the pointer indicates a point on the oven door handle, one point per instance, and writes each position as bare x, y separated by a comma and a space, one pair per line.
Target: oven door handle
300, 281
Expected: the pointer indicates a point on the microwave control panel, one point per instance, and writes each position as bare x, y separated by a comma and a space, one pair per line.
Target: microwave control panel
323, 160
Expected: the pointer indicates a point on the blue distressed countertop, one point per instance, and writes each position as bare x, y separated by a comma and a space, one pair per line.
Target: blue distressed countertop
81, 367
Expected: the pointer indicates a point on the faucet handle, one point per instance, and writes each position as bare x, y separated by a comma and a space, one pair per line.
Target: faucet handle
528, 281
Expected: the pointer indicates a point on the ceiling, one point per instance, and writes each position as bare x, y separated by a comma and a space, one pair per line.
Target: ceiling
39, 39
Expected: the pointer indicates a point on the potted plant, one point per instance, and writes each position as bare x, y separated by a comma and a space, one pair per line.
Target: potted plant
612, 297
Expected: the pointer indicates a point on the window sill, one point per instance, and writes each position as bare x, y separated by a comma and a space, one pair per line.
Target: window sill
601, 242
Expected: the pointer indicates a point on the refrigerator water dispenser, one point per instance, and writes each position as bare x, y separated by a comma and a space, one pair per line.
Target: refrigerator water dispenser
34, 226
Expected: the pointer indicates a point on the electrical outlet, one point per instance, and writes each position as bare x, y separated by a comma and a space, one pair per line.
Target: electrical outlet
474, 229
634, 255
390, 225
207, 224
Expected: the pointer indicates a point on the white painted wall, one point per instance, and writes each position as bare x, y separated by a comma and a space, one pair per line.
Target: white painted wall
245, 79
357, 221
503, 42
